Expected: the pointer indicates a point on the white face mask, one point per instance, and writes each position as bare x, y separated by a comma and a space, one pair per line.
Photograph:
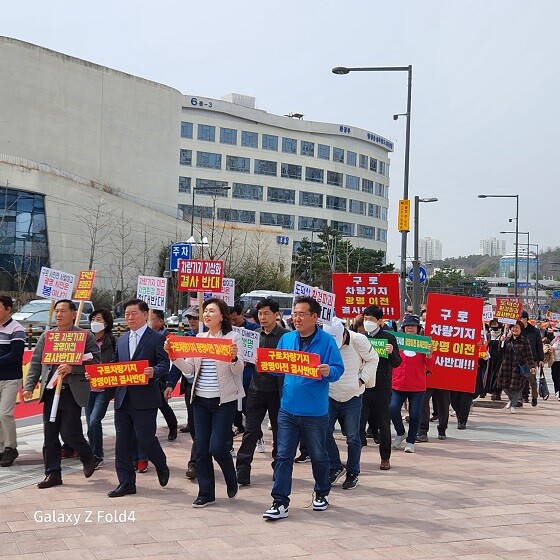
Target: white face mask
96, 327
370, 326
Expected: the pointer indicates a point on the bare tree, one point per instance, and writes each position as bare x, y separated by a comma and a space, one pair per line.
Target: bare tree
97, 219
122, 267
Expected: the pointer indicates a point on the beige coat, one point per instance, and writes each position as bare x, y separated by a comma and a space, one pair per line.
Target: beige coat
230, 374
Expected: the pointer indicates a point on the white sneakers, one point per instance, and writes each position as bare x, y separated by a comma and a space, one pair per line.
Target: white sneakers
276, 511
409, 448
397, 442
261, 447
512, 410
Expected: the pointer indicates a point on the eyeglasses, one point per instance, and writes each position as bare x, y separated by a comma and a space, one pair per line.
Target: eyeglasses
300, 315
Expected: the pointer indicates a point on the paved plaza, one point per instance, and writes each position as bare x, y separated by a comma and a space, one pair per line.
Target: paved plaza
489, 492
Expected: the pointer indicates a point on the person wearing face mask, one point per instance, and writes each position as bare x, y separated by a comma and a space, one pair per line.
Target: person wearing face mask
494, 333
101, 325
376, 399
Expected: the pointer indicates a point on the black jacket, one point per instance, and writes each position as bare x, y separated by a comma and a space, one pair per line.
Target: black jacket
533, 335
266, 382
386, 365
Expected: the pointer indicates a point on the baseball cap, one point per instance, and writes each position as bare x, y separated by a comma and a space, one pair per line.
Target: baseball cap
191, 312
336, 330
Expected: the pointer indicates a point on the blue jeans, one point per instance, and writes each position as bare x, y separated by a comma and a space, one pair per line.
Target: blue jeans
290, 428
349, 414
95, 412
415, 400
213, 423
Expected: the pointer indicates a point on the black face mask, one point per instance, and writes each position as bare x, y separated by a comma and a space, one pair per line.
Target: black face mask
495, 328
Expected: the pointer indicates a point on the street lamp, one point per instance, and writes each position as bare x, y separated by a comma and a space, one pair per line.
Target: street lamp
416, 261
516, 196
527, 259
538, 310
205, 190
342, 70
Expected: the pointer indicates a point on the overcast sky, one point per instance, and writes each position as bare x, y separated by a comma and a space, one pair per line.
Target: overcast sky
485, 86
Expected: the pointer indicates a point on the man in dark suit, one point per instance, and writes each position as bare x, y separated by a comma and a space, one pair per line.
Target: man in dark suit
136, 406
73, 396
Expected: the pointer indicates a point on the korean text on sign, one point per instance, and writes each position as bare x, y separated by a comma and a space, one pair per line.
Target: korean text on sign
454, 324
325, 299
289, 362
227, 294
414, 343
84, 286
55, 284
152, 290
117, 374
199, 347
200, 276
355, 292
64, 347
507, 310
249, 344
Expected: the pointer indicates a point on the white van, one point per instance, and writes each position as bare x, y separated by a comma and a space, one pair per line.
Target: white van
43, 305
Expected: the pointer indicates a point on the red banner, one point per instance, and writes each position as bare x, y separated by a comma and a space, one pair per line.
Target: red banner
288, 362
454, 323
200, 276
355, 292
64, 347
197, 347
117, 374
84, 285
507, 310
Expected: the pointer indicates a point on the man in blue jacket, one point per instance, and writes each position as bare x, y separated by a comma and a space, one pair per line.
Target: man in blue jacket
304, 409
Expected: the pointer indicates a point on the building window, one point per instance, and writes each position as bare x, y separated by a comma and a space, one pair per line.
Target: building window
306, 223
334, 178
184, 184
269, 142
345, 228
323, 152
384, 212
338, 155
357, 207
336, 203
249, 139
368, 186
248, 192
374, 210
314, 175
228, 136
363, 161
289, 145
237, 163
372, 164
185, 157
201, 212
290, 171
186, 129
207, 132
264, 167
383, 168
307, 148
380, 189
382, 235
352, 182
284, 220
285, 196
214, 187
310, 199
208, 160
351, 158
234, 215
366, 231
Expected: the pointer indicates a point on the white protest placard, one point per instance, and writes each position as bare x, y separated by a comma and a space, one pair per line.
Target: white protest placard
487, 313
325, 299
554, 317
227, 294
152, 290
249, 344
55, 284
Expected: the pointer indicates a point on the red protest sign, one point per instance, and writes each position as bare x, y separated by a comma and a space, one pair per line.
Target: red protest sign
355, 292
197, 347
84, 286
507, 310
200, 276
289, 362
64, 347
117, 374
454, 323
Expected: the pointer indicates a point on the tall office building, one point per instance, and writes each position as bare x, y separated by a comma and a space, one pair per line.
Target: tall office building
429, 250
493, 247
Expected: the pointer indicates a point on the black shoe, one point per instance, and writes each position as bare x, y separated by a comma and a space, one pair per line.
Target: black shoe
533, 403
9, 456
89, 467
163, 476
202, 502
191, 472
122, 490
172, 436
185, 430
461, 425
376, 438
519, 405
350, 482
303, 458
52, 479
335, 474
232, 490
442, 435
525, 399
243, 478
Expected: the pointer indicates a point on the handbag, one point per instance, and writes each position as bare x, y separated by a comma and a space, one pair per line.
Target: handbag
543, 386
524, 370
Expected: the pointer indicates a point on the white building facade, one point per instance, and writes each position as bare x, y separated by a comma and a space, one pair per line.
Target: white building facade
429, 250
493, 247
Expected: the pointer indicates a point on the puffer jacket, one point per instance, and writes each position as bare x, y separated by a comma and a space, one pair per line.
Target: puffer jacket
410, 376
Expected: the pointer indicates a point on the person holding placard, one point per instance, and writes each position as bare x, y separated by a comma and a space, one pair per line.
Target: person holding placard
217, 385
74, 395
